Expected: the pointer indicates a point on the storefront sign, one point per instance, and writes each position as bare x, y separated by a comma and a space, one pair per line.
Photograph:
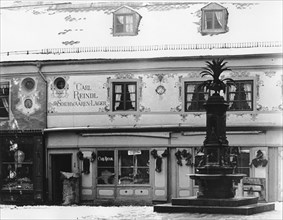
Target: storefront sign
105, 158
81, 96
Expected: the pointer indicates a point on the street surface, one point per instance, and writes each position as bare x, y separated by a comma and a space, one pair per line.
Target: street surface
13, 212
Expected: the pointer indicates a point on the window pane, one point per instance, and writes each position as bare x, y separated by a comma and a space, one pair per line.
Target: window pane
119, 24
195, 97
143, 158
243, 162
105, 175
190, 87
17, 163
129, 24
105, 158
124, 97
218, 17
142, 176
189, 97
240, 97
133, 166
118, 88
208, 20
4, 100
105, 167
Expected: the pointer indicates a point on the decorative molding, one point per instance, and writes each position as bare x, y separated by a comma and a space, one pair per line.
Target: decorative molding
160, 90
140, 85
107, 85
144, 109
254, 117
176, 109
259, 107
70, 18
59, 93
111, 117
197, 114
258, 83
179, 86
72, 42
277, 108
240, 74
184, 117
137, 117
194, 75
105, 109
124, 75
270, 73
280, 83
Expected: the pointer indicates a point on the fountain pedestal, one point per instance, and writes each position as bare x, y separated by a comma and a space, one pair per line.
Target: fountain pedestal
216, 185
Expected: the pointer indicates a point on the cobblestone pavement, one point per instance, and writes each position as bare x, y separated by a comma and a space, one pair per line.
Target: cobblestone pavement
13, 212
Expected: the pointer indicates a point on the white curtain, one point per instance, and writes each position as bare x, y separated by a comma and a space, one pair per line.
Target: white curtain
232, 95
5, 103
118, 89
129, 23
132, 89
248, 88
205, 20
120, 19
219, 17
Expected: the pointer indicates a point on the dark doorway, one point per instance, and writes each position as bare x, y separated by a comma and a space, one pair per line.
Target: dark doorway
59, 162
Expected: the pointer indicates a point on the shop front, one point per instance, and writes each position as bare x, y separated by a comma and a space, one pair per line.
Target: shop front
120, 168
21, 167
150, 167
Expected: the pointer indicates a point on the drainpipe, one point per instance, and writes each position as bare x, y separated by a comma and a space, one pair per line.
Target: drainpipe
39, 66
45, 181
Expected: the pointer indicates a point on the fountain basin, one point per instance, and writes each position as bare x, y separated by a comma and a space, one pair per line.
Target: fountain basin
219, 186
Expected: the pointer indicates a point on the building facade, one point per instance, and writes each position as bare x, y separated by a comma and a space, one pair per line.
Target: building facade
22, 121
124, 109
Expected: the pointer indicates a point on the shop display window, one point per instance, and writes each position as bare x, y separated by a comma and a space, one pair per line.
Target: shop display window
105, 167
17, 165
133, 167
243, 162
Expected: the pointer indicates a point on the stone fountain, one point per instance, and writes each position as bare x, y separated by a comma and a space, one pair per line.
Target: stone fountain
214, 175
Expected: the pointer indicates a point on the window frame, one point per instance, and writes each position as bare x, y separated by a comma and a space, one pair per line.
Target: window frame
186, 102
252, 101
133, 166
116, 167
198, 80
213, 30
124, 32
124, 83
8, 97
126, 11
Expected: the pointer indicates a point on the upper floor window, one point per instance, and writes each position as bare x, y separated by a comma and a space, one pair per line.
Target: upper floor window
240, 97
126, 22
194, 97
4, 100
214, 19
124, 96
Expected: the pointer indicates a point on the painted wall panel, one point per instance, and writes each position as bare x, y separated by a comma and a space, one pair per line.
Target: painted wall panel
86, 98
26, 105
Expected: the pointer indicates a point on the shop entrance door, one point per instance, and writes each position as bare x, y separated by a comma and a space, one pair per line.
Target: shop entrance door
59, 162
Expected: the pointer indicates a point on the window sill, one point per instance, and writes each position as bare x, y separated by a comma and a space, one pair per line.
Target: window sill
124, 34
